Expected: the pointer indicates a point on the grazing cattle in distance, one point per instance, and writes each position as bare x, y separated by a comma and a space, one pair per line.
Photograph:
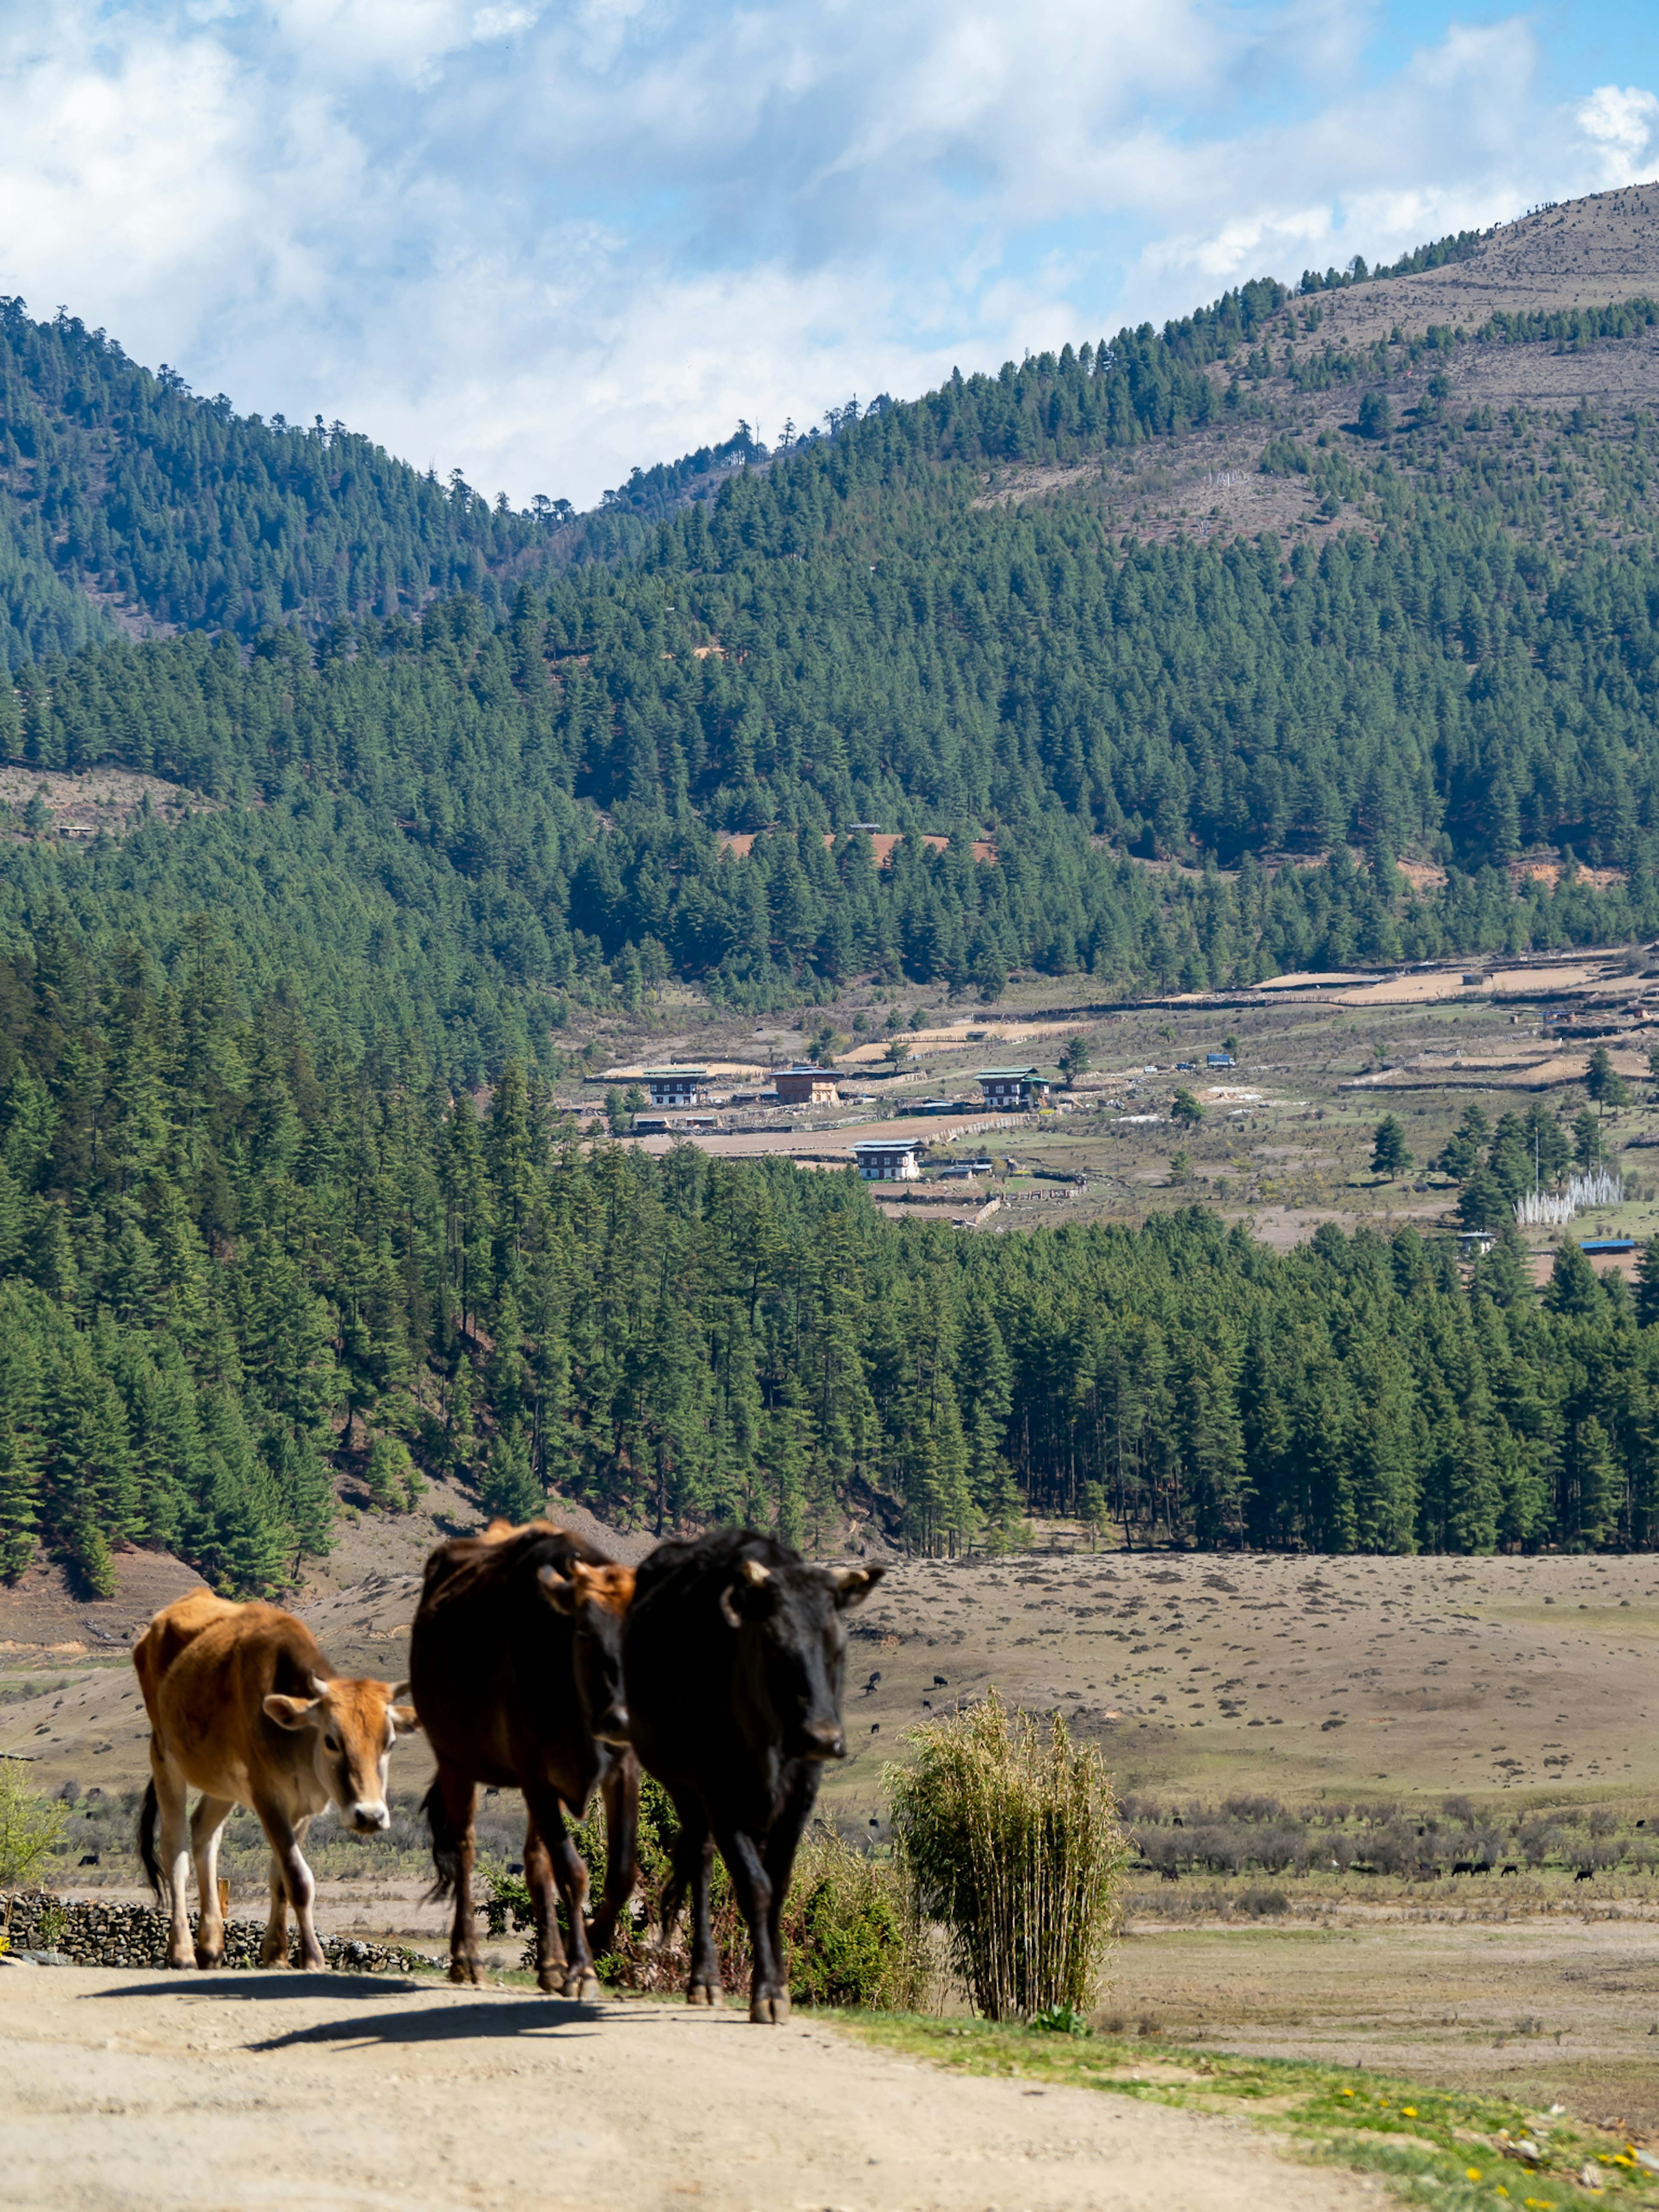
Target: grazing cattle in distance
515, 1659
244, 1707
1585, 1873
734, 1652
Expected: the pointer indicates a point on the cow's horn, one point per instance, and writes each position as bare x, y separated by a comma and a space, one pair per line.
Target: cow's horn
733, 1619
754, 1572
318, 1687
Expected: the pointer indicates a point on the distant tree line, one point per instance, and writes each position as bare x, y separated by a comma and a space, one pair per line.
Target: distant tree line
240, 1261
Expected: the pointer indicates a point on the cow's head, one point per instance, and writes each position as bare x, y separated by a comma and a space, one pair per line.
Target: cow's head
352, 1726
794, 1647
596, 1599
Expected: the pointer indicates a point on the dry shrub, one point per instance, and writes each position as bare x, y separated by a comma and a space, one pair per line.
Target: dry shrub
1010, 1839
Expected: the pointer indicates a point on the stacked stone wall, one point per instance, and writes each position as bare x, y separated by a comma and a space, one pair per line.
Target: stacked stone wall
90, 1934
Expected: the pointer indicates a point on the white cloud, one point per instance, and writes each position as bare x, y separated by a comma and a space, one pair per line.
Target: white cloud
545, 241
1623, 127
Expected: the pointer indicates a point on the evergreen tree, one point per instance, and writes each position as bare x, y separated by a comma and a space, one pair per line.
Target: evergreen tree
1390, 1154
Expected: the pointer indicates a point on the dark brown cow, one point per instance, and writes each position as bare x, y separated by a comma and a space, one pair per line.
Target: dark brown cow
244, 1707
516, 1665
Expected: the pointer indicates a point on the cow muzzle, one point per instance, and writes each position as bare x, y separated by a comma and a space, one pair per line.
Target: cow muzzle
368, 1817
823, 1740
612, 1726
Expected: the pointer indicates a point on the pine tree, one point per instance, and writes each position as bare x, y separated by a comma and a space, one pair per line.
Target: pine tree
510, 1491
1390, 1154
19, 1445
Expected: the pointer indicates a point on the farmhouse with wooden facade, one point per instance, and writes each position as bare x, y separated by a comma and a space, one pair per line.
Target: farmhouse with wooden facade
1012, 1090
805, 1086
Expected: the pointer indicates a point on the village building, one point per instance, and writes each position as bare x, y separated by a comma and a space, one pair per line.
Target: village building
805, 1086
1012, 1090
675, 1086
891, 1159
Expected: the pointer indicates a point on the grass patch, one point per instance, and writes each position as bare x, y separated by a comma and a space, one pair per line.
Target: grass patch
1460, 2152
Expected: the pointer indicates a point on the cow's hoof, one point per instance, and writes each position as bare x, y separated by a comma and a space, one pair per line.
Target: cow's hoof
769, 2012
582, 1989
550, 1980
705, 1993
466, 1972
204, 1958
180, 1966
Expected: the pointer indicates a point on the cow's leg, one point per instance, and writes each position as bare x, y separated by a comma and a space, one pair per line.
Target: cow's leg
620, 1791
693, 1854
782, 1843
208, 1820
769, 2000
273, 1949
285, 1837
457, 1798
171, 1798
570, 1872
538, 1880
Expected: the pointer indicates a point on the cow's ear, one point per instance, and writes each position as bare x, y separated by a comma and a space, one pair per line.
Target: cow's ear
852, 1585
291, 1712
403, 1718
562, 1596
751, 1596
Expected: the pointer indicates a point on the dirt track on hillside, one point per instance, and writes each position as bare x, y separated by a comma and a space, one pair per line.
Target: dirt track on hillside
128, 2092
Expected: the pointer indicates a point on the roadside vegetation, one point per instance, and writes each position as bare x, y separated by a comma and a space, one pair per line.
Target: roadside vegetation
1459, 2151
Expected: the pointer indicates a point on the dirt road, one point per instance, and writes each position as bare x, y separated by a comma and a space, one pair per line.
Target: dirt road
125, 2092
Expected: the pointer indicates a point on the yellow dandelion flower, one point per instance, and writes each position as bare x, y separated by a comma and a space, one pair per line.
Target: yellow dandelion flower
1473, 2172
1410, 2110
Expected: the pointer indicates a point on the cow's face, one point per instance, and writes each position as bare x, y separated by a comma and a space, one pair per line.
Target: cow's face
796, 1644
352, 1727
596, 1599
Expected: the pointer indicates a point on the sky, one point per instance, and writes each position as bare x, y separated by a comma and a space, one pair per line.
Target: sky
546, 243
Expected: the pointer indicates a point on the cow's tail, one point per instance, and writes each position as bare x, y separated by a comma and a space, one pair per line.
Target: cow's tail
446, 1845
149, 1813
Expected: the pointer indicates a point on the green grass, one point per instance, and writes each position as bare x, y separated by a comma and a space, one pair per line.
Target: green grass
1455, 2151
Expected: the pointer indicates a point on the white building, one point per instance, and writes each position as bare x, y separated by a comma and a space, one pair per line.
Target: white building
675, 1086
891, 1159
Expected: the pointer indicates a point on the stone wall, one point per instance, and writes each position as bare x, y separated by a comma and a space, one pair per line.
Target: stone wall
92, 1934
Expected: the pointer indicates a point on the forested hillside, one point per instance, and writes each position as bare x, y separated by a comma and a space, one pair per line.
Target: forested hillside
217, 1238
451, 771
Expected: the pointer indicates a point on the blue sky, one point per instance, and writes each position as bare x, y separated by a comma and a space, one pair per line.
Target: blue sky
544, 242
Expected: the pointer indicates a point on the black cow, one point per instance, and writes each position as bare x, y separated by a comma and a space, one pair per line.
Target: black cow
733, 1652
516, 1663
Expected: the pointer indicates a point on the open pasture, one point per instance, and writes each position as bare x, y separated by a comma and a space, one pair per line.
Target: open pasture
1529, 1681
1241, 1671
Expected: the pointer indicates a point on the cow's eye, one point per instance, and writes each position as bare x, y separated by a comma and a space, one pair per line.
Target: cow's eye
333, 1742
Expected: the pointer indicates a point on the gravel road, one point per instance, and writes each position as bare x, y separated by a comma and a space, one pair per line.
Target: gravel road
126, 2092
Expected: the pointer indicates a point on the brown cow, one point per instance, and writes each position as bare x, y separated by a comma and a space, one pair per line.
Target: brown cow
243, 1707
515, 1659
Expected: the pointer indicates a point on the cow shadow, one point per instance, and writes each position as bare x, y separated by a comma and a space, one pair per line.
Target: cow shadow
470, 2020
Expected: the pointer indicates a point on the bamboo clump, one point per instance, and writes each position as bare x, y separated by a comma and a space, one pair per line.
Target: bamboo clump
1010, 1835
